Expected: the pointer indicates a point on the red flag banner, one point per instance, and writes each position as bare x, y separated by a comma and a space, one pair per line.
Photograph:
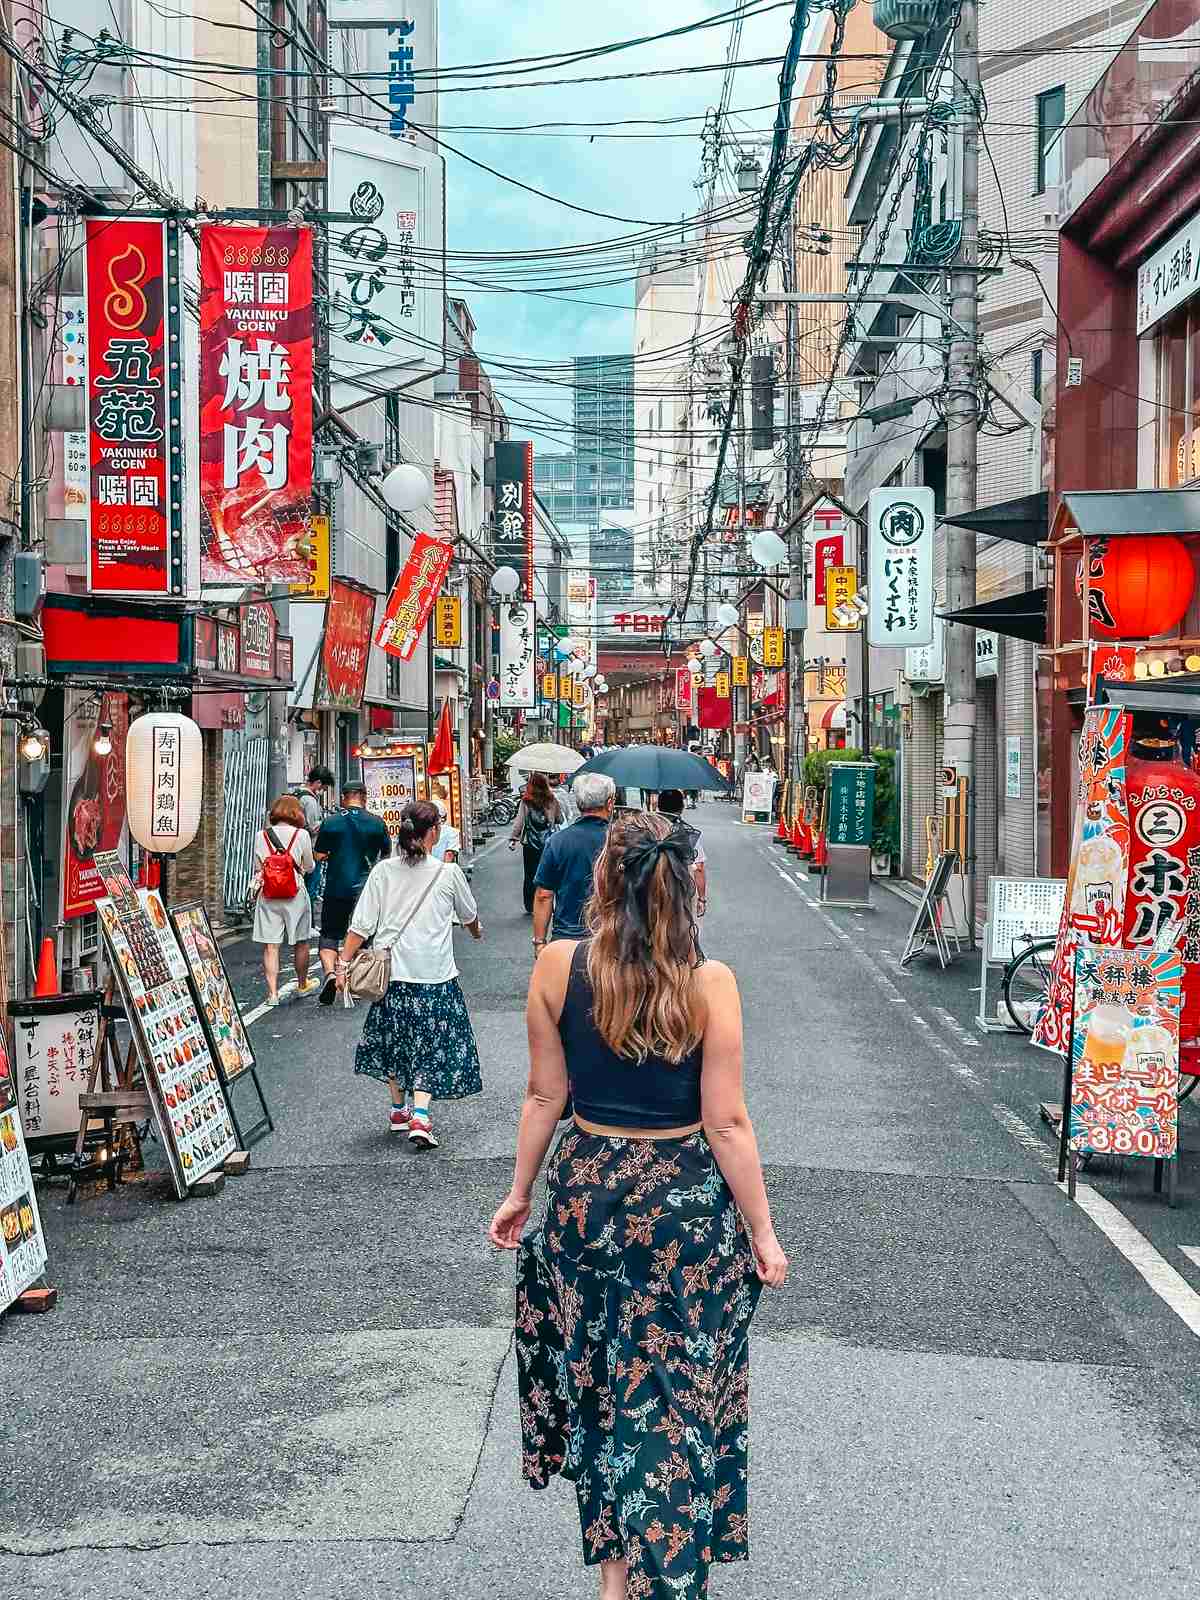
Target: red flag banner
683, 689
412, 596
135, 543
441, 757
256, 363
344, 650
828, 551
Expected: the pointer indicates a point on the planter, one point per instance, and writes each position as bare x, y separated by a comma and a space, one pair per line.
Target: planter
881, 864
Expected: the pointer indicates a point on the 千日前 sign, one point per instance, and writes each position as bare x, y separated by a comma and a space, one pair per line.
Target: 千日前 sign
134, 439
256, 362
900, 575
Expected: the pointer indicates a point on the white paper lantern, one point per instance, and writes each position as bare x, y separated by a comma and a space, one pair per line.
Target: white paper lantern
405, 488
707, 647
164, 778
589, 671
506, 580
727, 615
768, 549
695, 666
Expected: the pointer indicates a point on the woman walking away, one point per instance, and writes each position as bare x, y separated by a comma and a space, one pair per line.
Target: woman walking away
538, 815
635, 1296
418, 1039
283, 911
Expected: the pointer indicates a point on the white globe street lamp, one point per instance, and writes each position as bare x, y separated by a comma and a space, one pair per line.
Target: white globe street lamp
405, 488
707, 647
727, 615
695, 666
506, 580
768, 549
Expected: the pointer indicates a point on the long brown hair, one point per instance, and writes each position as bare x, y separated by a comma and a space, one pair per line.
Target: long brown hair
538, 791
645, 950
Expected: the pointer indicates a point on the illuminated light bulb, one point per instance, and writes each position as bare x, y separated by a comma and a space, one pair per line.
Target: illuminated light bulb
1140, 669
1192, 663
1158, 669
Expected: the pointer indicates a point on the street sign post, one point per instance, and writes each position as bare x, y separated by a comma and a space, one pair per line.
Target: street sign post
850, 823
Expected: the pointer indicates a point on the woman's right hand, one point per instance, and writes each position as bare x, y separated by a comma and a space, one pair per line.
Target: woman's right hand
512, 844
507, 1224
769, 1258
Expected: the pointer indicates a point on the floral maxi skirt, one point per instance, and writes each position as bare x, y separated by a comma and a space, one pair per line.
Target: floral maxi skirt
420, 1034
634, 1302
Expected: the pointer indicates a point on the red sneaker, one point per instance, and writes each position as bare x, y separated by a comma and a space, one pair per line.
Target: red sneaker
421, 1134
400, 1119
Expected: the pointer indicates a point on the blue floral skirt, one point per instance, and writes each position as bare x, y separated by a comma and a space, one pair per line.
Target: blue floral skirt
634, 1302
420, 1034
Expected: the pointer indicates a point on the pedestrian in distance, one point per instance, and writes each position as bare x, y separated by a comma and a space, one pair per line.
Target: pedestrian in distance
282, 909
670, 804
449, 845
563, 882
418, 1039
538, 816
635, 1296
349, 844
313, 797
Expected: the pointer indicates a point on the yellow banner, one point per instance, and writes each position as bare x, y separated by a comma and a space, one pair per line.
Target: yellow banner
772, 647
722, 685
447, 622
315, 551
550, 686
580, 695
841, 585
741, 672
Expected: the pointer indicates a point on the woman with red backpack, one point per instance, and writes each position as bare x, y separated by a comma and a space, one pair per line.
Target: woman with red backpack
283, 911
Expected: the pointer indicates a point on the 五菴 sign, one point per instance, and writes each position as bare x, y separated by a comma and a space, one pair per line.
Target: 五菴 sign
900, 576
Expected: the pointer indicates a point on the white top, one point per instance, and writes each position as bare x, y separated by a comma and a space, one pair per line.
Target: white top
700, 857
568, 810
425, 954
295, 841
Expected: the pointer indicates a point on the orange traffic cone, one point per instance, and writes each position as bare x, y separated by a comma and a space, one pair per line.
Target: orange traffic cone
47, 972
820, 854
781, 832
794, 841
806, 840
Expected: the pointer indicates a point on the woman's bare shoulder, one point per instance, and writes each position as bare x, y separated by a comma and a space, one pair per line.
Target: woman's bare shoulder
716, 975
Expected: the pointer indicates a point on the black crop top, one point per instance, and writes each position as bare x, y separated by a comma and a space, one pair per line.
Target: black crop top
614, 1090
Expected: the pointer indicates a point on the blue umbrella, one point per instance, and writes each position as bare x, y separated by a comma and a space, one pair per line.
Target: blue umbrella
656, 767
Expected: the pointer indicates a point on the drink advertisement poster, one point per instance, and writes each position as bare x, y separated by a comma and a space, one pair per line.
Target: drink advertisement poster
349, 618
1125, 1053
94, 795
413, 593
394, 779
256, 365
133, 317
1094, 907
54, 1047
22, 1246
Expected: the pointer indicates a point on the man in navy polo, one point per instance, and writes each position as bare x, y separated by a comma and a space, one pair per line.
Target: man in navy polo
563, 883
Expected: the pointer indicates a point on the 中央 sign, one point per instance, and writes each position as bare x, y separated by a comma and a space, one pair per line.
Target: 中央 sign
841, 586
900, 568
447, 622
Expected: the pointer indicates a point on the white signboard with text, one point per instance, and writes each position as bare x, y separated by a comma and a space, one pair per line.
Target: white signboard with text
1169, 277
518, 656
900, 567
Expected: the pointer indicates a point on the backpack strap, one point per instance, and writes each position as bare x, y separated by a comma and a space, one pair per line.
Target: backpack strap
277, 843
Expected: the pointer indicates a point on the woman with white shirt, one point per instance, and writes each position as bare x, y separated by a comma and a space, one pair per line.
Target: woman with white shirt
276, 921
418, 1038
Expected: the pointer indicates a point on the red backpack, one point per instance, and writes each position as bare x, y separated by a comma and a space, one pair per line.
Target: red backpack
279, 880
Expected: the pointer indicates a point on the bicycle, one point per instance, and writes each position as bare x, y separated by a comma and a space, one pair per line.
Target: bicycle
1026, 981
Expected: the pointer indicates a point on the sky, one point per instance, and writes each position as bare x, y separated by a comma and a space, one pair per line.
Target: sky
649, 178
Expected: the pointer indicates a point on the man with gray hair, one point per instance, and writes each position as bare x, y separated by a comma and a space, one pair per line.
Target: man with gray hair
563, 883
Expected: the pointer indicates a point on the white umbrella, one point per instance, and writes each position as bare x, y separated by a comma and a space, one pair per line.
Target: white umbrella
545, 758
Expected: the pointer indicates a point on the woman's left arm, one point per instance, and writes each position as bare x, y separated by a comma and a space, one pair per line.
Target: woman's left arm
545, 1094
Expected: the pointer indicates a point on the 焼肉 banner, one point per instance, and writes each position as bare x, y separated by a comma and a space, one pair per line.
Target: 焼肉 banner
256, 376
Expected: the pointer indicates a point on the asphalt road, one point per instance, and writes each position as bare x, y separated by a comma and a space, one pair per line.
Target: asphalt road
304, 1386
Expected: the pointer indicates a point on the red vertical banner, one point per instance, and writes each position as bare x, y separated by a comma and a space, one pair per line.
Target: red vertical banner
683, 689
133, 334
413, 593
93, 795
828, 551
256, 376
349, 615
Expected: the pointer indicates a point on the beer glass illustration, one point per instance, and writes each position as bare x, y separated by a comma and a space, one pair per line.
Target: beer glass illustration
1108, 1035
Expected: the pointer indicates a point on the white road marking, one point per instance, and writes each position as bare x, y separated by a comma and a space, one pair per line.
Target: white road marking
262, 1010
1170, 1286
957, 1029
1192, 1252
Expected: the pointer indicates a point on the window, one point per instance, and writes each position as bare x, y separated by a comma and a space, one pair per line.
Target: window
1035, 373
1051, 114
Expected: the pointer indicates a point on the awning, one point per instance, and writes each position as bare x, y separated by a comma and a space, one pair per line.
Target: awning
1024, 520
1020, 616
834, 716
1170, 697
1109, 513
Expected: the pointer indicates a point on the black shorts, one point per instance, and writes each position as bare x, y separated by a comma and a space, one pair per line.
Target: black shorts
335, 921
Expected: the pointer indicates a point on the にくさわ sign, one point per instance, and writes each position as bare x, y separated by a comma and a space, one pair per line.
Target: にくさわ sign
900, 577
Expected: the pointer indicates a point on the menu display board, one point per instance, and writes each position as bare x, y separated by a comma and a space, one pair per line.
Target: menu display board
177, 1064
394, 776
22, 1245
218, 1007
54, 1046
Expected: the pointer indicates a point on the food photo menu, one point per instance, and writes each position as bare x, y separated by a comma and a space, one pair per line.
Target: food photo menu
22, 1247
181, 1076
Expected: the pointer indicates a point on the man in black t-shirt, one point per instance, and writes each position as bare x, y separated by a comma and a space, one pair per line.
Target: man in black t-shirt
350, 843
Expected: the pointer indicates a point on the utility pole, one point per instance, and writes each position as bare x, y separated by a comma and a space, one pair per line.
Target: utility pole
797, 589
739, 739
962, 431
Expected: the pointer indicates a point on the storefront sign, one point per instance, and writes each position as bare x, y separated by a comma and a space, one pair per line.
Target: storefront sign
447, 622
256, 362
343, 672
393, 781
900, 572
1012, 767
54, 1046
513, 545
386, 296
829, 550
22, 1244
550, 686
413, 593
841, 585
987, 654
772, 647
258, 628
1112, 662
850, 808
134, 325
1125, 1053
93, 795
721, 684
518, 657
1169, 277
926, 663
758, 794
177, 1065
217, 1004
316, 553
73, 472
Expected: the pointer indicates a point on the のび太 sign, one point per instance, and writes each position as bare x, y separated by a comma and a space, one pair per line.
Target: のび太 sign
900, 566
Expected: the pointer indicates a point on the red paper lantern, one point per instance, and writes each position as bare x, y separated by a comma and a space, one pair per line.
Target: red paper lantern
1140, 586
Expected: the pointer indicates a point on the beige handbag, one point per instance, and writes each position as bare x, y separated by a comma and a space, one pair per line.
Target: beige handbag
370, 972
